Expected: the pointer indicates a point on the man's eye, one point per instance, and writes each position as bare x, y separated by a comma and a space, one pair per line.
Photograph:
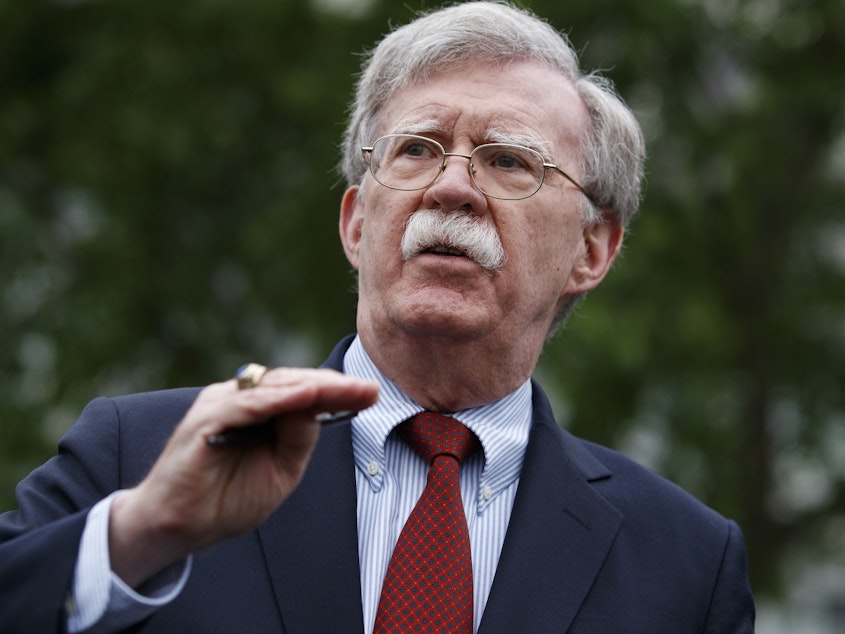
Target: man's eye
417, 150
507, 161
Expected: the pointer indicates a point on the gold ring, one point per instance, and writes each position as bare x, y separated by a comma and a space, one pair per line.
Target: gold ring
250, 375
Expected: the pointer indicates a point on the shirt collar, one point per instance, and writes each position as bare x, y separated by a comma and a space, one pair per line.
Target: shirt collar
502, 427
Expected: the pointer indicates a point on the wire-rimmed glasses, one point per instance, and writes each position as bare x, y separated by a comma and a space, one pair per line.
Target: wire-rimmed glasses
408, 162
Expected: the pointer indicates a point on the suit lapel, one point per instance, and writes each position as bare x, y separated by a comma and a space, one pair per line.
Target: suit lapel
559, 534
311, 544
311, 541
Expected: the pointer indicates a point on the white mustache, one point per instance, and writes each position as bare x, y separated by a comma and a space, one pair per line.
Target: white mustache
457, 230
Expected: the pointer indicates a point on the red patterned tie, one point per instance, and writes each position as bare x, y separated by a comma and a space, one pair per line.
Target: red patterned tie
428, 585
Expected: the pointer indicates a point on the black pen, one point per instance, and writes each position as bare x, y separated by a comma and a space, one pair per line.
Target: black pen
264, 432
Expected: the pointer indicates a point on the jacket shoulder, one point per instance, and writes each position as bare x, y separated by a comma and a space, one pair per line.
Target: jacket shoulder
688, 536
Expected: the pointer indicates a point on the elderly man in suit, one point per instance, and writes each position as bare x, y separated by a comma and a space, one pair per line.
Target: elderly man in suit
490, 184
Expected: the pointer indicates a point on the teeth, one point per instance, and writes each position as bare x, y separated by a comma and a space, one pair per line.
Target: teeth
446, 251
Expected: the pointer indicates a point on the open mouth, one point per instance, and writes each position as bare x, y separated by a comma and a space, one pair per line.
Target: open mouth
443, 250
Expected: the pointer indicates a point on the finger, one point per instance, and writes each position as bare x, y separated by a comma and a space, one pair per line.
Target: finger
287, 392
309, 391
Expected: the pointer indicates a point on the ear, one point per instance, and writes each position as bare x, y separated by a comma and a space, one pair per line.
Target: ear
602, 243
351, 223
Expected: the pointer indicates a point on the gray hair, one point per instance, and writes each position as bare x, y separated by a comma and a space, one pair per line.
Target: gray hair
463, 34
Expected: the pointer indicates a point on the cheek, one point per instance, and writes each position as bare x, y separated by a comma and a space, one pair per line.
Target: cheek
549, 250
381, 237
539, 243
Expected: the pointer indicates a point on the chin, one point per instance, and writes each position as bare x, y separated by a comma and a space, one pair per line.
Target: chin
442, 320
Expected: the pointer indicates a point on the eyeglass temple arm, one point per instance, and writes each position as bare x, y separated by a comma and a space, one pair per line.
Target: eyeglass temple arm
571, 180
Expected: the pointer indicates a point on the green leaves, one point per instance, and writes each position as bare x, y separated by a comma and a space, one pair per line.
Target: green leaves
168, 209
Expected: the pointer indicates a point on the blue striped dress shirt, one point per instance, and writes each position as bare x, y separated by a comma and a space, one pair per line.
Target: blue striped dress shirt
390, 477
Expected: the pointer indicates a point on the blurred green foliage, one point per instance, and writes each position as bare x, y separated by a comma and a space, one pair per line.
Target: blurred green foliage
168, 205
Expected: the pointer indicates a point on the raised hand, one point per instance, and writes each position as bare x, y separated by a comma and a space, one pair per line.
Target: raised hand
197, 494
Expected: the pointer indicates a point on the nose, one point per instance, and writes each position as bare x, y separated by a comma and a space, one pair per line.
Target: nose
454, 188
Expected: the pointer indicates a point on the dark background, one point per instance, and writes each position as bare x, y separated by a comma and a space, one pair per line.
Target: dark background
168, 209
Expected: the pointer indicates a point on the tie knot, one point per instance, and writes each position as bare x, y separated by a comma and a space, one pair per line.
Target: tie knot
431, 435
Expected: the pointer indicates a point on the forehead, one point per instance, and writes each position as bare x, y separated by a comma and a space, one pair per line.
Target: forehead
526, 102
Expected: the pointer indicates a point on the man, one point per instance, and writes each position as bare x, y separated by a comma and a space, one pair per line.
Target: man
490, 182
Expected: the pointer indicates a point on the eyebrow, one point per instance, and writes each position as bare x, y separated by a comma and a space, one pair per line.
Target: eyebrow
514, 138
426, 126
492, 135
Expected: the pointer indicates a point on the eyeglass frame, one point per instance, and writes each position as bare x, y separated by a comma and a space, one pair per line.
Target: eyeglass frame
367, 151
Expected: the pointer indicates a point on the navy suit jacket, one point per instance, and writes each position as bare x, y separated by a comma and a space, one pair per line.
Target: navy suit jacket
596, 544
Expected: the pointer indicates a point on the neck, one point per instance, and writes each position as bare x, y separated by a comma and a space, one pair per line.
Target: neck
446, 375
